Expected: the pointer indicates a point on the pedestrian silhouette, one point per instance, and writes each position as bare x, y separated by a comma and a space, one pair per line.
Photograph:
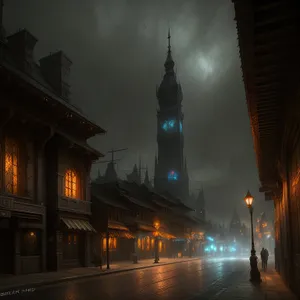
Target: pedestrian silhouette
262, 257
266, 258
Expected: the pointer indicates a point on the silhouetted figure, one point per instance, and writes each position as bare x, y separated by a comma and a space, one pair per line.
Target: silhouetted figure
266, 258
262, 257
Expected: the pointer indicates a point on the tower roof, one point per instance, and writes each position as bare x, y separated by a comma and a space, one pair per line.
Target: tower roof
169, 92
110, 173
169, 63
147, 181
134, 175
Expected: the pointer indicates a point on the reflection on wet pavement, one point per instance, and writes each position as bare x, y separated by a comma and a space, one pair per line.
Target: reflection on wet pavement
202, 279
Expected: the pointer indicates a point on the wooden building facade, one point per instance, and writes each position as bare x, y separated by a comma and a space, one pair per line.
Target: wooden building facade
268, 33
137, 220
44, 161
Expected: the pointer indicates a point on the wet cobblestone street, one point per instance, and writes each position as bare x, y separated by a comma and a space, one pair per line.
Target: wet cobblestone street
199, 279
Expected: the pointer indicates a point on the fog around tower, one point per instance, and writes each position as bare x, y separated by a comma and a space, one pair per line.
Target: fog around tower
118, 49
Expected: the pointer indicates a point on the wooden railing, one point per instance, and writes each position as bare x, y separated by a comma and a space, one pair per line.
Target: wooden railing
19, 204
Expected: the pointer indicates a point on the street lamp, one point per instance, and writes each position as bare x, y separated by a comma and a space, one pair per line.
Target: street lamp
156, 256
254, 272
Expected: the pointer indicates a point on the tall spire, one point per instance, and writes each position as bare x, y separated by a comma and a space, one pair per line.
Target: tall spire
140, 168
169, 63
147, 180
169, 42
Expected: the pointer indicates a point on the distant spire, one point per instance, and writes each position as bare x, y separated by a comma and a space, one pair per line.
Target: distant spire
169, 63
140, 168
147, 180
110, 173
134, 175
169, 42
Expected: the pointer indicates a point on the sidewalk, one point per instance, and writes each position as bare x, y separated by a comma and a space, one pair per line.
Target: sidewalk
9, 283
271, 288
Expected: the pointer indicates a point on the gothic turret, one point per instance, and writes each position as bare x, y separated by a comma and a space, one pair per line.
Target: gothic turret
147, 181
169, 93
110, 174
200, 205
134, 176
170, 170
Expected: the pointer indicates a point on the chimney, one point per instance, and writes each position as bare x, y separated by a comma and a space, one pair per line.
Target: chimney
2, 30
22, 44
56, 70
1, 12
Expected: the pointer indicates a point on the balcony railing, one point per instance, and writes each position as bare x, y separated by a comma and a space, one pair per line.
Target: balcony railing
74, 205
11, 203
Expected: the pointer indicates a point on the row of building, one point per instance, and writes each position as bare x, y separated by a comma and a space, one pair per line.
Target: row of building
268, 33
51, 215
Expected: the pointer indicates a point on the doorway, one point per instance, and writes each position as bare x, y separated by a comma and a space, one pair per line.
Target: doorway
6, 250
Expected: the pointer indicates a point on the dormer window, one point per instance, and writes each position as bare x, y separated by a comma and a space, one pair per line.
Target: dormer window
71, 184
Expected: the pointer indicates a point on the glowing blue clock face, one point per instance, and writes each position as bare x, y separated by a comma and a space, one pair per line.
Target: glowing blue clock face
173, 175
170, 125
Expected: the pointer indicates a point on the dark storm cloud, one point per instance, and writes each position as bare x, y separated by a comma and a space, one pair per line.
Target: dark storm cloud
118, 50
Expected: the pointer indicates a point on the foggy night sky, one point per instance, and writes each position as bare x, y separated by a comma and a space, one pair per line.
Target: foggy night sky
118, 49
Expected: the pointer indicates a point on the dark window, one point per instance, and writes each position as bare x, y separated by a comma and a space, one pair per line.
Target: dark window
30, 243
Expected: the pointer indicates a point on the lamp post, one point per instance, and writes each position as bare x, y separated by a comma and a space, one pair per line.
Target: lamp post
254, 272
156, 256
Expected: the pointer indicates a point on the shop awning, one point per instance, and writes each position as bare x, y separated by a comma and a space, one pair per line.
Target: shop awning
76, 224
118, 234
117, 226
145, 227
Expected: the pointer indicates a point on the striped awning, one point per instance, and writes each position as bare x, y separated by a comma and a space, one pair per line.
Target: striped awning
76, 224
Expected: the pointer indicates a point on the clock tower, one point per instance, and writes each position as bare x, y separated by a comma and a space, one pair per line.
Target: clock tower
170, 166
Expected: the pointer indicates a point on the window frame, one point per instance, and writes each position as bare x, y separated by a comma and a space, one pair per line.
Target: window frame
13, 153
68, 184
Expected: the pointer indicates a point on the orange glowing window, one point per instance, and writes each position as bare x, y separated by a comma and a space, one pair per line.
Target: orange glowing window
11, 166
143, 244
69, 239
71, 184
112, 243
148, 243
160, 246
139, 243
152, 243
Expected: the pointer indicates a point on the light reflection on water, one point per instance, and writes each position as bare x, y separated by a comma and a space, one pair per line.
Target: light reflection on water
163, 281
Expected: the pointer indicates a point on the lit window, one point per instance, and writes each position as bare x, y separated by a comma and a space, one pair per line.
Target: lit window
143, 243
148, 243
112, 243
11, 166
71, 184
152, 243
172, 176
160, 246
